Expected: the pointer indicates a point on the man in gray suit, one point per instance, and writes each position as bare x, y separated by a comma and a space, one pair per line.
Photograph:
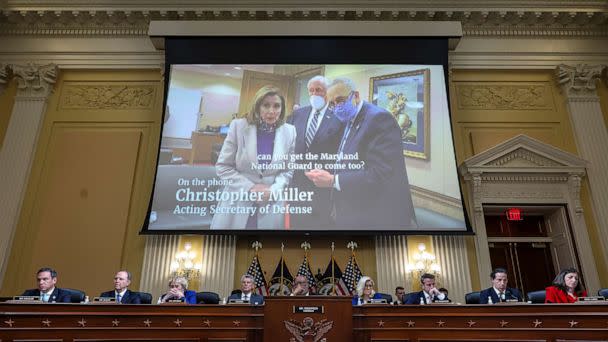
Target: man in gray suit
247, 286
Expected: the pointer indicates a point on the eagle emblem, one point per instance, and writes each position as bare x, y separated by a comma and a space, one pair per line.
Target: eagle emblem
308, 330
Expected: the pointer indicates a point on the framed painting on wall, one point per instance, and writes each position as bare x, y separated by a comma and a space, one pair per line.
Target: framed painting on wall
406, 95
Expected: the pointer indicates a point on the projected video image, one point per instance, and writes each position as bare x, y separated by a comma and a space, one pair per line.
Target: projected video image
307, 148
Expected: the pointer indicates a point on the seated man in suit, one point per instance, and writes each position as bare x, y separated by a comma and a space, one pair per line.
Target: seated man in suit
429, 293
47, 279
247, 286
499, 292
399, 293
123, 295
301, 288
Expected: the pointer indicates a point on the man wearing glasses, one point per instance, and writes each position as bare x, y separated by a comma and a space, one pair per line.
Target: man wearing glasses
301, 286
370, 188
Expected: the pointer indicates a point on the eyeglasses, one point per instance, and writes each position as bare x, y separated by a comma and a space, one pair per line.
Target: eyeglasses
175, 286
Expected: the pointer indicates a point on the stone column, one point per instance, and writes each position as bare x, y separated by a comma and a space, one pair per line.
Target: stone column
391, 259
34, 86
219, 258
579, 85
156, 269
4, 71
451, 252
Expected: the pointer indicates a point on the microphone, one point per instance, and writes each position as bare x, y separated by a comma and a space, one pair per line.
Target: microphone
509, 295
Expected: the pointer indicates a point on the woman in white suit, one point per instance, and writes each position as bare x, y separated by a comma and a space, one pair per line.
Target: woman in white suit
253, 159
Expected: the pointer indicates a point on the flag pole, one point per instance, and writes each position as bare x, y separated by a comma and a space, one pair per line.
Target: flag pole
282, 264
256, 245
333, 280
353, 245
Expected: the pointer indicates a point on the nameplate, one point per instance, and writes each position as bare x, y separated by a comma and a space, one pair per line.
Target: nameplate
308, 309
376, 301
104, 299
238, 301
441, 301
175, 301
26, 298
591, 299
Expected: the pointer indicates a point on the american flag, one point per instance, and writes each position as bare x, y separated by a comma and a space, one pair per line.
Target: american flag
307, 272
339, 285
352, 274
255, 270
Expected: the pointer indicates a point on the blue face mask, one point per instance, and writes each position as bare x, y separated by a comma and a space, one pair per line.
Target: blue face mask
346, 111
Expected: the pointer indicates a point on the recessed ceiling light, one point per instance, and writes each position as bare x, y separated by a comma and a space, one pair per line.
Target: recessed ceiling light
238, 68
226, 74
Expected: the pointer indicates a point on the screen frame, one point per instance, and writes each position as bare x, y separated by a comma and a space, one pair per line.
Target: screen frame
262, 50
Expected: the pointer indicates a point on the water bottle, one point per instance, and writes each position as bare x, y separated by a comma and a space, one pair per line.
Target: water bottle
490, 301
224, 301
86, 299
421, 301
359, 301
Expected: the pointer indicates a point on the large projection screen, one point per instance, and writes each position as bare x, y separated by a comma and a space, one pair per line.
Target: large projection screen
238, 153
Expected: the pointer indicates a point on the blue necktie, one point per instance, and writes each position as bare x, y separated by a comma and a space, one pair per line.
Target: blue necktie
312, 128
118, 298
45, 297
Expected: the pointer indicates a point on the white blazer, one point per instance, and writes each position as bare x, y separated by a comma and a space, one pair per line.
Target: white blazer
239, 153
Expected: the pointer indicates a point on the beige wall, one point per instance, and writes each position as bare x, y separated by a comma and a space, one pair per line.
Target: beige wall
90, 182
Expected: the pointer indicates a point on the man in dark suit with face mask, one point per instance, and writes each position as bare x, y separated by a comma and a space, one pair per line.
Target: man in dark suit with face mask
370, 189
317, 131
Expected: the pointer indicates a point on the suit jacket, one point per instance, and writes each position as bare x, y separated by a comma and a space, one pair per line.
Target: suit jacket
556, 295
58, 295
510, 293
356, 298
235, 164
254, 299
414, 298
189, 297
326, 140
378, 195
129, 297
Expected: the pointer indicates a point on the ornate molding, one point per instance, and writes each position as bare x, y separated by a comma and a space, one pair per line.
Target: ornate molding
516, 178
579, 81
4, 77
107, 97
528, 157
88, 19
489, 97
574, 182
35, 81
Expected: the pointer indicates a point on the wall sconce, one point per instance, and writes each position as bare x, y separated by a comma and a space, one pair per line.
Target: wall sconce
184, 265
424, 262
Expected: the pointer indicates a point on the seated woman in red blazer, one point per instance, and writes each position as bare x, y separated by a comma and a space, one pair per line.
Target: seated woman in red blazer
566, 288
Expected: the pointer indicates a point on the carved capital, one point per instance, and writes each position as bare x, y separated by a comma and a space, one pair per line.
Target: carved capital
477, 192
4, 77
35, 81
578, 82
574, 183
